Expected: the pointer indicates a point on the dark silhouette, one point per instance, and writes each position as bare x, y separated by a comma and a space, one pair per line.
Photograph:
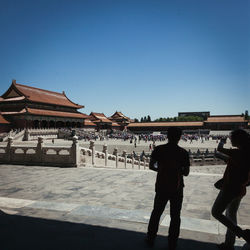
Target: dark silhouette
233, 187
172, 163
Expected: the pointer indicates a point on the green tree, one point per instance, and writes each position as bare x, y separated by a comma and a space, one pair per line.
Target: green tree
246, 115
180, 119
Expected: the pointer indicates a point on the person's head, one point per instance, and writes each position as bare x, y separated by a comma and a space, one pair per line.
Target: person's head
240, 138
174, 134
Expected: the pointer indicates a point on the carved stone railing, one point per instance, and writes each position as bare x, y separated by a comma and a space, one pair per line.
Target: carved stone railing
90, 157
67, 156
40, 155
204, 157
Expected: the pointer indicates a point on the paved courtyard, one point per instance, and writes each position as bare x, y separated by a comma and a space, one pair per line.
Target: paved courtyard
94, 208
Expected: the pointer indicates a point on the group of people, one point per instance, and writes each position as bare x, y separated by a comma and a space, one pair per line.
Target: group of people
135, 139
171, 162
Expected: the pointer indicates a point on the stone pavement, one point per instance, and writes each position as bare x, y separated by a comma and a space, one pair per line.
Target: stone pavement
96, 208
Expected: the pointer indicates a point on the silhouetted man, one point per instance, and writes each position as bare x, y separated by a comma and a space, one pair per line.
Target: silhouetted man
171, 162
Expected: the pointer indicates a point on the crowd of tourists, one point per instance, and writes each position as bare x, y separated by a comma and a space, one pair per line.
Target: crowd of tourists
135, 138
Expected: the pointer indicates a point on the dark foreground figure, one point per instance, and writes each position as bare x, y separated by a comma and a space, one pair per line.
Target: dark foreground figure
171, 162
233, 187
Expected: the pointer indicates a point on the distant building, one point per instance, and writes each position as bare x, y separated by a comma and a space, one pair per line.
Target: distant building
25, 106
142, 127
219, 122
101, 121
226, 122
121, 119
87, 124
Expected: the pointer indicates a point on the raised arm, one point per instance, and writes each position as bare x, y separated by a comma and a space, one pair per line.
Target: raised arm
221, 148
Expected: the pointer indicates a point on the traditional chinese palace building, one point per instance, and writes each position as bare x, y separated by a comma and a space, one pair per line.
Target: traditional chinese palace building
26, 106
121, 119
102, 122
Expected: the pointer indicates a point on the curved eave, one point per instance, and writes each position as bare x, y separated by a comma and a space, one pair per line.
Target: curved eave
3, 121
77, 105
13, 99
14, 87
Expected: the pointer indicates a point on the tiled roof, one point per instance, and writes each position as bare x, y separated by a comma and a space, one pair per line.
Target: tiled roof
119, 115
87, 122
166, 124
99, 117
226, 119
2, 120
40, 95
14, 112
114, 124
13, 99
44, 112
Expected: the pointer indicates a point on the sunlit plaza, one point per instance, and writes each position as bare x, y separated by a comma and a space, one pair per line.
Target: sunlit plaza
105, 200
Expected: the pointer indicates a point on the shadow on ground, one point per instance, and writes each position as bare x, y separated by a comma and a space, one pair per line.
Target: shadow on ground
21, 232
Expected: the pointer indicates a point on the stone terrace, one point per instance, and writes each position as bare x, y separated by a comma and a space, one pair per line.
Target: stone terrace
95, 208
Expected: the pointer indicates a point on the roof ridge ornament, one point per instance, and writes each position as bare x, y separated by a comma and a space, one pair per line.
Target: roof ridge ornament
14, 81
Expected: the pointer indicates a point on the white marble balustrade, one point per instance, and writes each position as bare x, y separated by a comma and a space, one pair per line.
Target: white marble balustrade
67, 156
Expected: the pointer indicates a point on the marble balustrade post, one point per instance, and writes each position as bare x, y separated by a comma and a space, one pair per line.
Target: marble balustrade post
8, 149
39, 151
92, 147
124, 154
105, 151
203, 160
144, 161
75, 151
116, 157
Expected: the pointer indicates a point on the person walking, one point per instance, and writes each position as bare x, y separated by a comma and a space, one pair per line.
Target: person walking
170, 162
233, 187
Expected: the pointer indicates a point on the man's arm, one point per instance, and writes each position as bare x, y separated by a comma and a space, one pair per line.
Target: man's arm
152, 164
186, 165
153, 161
221, 148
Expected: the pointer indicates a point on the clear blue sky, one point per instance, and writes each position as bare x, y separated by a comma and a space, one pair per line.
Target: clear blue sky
140, 57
